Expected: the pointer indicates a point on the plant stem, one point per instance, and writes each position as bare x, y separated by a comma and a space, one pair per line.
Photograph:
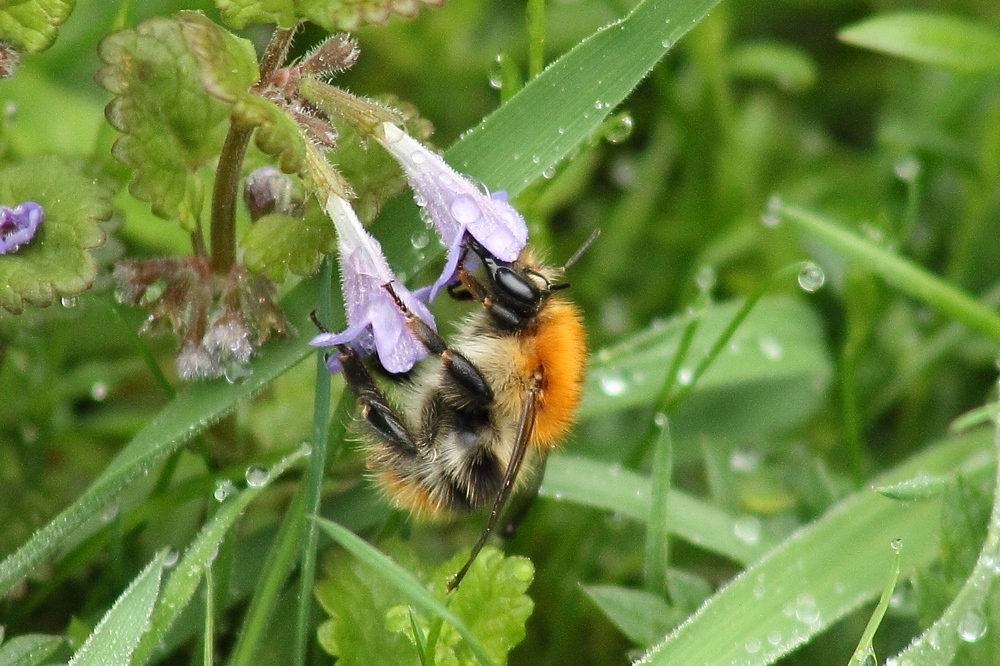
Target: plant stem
227, 175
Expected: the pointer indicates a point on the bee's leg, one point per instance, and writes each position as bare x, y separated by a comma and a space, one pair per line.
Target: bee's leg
460, 368
374, 407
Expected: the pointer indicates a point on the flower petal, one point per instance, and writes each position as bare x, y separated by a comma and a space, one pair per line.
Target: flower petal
18, 225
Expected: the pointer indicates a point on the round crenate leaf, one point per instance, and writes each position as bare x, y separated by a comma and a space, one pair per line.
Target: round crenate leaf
343, 15
58, 260
33, 26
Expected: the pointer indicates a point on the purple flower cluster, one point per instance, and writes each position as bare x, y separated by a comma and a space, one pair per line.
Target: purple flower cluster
454, 207
18, 225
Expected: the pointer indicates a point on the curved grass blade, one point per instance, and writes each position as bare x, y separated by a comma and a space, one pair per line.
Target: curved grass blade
865, 652
183, 582
820, 573
402, 579
117, 634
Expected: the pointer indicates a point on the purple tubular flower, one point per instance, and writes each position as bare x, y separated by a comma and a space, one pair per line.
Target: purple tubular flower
18, 225
374, 320
455, 205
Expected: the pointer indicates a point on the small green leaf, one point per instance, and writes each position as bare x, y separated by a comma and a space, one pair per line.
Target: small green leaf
228, 63
171, 126
277, 243
238, 13
492, 602
922, 486
117, 634
642, 616
58, 260
935, 39
29, 650
32, 25
277, 134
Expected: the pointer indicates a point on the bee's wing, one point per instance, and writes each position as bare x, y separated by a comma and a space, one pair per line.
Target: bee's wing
524, 427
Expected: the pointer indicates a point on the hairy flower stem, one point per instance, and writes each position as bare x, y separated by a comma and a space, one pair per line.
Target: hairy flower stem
230, 167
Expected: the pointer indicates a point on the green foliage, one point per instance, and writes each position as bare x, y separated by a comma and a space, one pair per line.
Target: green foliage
277, 244
33, 24
338, 15
29, 649
59, 260
170, 126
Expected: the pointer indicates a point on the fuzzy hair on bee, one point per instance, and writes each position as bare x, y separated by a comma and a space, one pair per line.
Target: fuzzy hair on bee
477, 412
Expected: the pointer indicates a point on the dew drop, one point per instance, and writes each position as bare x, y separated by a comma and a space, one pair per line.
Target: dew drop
811, 277
464, 209
752, 646
110, 513
420, 240
171, 558
418, 157
256, 476
806, 610
665, 43
744, 462
549, 173
705, 278
774, 638
770, 347
972, 626
223, 488
619, 129
685, 376
613, 384
907, 169
771, 217
660, 419
306, 448
747, 529
98, 391
69, 301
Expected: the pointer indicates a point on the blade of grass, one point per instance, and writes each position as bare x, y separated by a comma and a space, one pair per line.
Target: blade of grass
658, 527
574, 479
900, 273
402, 579
865, 652
820, 573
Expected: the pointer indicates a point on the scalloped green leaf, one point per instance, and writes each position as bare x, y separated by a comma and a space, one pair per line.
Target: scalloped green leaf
58, 260
228, 63
171, 126
33, 25
330, 14
277, 134
277, 243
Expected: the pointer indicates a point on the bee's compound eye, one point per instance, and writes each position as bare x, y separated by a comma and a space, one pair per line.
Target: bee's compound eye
516, 287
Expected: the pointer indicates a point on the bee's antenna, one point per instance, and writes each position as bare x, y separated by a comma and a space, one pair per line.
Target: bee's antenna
583, 248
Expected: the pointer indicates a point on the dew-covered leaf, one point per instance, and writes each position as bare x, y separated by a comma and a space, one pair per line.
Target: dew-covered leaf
642, 616
775, 358
117, 634
964, 517
29, 650
32, 25
58, 260
277, 243
935, 39
228, 63
170, 125
331, 15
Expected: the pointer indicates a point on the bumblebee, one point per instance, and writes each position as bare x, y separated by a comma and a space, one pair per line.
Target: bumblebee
480, 410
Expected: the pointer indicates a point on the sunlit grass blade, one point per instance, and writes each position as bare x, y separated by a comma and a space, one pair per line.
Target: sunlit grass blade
820, 573
117, 634
194, 408
603, 486
402, 579
935, 39
901, 273
184, 580
865, 652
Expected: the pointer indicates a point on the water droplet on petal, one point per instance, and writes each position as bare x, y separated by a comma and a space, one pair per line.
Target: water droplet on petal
418, 157
465, 210
811, 277
972, 626
256, 476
